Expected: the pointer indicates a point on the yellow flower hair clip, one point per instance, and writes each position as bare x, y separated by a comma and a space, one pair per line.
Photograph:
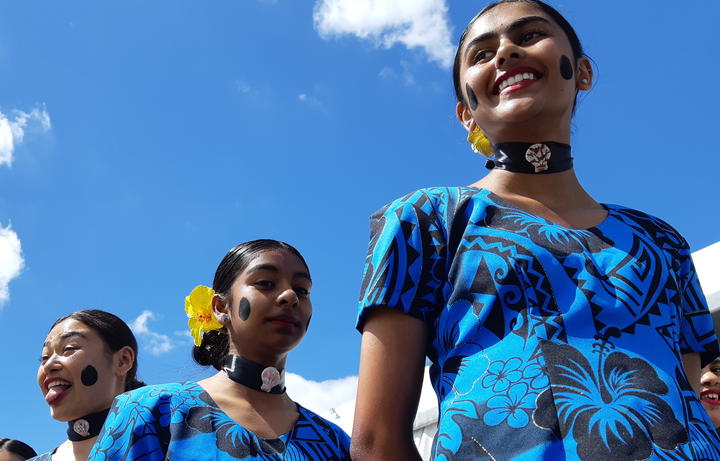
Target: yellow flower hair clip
480, 143
198, 307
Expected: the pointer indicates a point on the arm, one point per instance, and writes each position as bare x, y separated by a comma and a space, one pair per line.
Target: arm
691, 362
392, 360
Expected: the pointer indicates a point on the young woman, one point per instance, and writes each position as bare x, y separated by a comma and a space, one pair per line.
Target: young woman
557, 327
710, 391
15, 450
256, 312
88, 358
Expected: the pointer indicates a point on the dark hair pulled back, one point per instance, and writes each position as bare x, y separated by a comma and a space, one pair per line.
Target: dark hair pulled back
215, 344
114, 332
542, 6
18, 448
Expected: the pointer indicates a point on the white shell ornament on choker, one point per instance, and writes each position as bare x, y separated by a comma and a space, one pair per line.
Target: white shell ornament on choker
82, 427
538, 156
270, 378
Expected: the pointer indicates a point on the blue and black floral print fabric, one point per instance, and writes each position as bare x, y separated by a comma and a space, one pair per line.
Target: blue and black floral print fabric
547, 342
181, 422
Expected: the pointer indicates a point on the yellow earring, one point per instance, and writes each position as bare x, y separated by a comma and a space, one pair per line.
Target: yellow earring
480, 143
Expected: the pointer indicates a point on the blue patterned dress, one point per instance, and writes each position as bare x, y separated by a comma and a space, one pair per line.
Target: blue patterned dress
181, 422
547, 342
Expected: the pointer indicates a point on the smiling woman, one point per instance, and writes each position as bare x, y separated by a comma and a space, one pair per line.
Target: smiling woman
557, 327
88, 358
257, 310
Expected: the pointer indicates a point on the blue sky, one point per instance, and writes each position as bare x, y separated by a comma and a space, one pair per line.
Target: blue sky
139, 141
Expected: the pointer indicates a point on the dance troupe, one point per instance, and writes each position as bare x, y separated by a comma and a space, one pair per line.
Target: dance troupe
556, 327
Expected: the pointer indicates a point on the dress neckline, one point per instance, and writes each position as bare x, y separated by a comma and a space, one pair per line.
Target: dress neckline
282, 437
495, 198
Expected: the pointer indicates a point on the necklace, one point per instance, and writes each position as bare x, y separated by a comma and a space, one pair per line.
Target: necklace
86, 427
254, 375
531, 158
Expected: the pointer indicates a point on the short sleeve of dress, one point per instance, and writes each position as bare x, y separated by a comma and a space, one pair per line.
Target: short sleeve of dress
697, 332
132, 430
405, 265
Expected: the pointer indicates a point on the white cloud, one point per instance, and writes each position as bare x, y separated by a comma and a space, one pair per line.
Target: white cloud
320, 396
11, 260
12, 130
156, 343
413, 23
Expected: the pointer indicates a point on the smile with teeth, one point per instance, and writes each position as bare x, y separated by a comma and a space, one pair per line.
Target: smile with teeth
515, 79
58, 382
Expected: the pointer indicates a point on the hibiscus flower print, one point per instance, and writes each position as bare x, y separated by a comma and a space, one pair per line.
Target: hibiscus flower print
613, 411
500, 374
510, 407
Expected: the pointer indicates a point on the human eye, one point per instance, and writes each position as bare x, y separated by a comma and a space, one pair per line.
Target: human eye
69, 349
264, 284
43, 358
532, 35
482, 56
302, 291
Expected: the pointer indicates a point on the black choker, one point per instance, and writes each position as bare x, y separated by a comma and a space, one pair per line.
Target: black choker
532, 158
254, 375
86, 427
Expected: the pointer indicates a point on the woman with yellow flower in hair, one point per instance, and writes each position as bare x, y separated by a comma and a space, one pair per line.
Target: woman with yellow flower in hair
244, 326
558, 327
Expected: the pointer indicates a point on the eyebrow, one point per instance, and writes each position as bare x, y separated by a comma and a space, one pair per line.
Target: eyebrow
517, 24
272, 268
67, 335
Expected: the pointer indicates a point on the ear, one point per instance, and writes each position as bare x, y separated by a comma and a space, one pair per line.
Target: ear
465, 116
584, 74
220, 307
123, 361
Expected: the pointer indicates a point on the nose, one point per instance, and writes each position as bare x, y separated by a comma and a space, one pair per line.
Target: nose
288, 297
51, 364
709, 379
507, 53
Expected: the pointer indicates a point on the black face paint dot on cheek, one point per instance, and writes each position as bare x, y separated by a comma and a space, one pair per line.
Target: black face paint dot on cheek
244, 310
566, 69
307, 325
472, 99
89, 376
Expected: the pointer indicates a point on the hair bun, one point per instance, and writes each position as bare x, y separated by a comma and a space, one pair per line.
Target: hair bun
213, 349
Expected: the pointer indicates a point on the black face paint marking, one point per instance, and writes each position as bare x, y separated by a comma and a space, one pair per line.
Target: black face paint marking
89, 376
566, 69
244, 310
472, 99
308, 322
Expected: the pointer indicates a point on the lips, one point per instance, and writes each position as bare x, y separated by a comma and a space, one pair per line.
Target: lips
286, 321
56, 389
515, 78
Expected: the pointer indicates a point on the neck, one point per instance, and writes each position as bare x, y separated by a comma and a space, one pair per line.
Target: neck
79, 451
263, 357
557, 190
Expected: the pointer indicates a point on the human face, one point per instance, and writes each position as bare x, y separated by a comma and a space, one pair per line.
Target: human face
518, 74
269, 307
710, 393
76, 374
